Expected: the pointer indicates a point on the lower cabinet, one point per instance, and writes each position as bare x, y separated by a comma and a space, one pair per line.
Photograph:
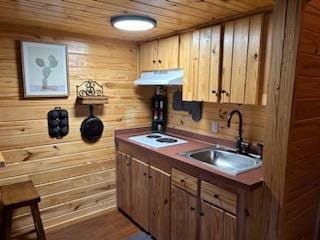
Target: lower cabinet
159, 204
216, 224
140, 193
144, 195
184, 215
124, 182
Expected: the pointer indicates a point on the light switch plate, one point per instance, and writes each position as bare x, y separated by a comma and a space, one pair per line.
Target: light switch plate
215, 126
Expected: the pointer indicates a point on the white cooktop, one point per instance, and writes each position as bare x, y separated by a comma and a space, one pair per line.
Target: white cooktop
157, 140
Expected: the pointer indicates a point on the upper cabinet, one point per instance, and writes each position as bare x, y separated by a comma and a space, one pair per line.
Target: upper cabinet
200, 58
242, 60
159, 55
226, 63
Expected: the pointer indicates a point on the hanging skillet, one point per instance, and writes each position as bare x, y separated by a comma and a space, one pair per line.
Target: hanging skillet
91, 128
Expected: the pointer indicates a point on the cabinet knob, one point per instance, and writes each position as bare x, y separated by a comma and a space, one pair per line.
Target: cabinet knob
182, 180
201, 214
192, 208
166, 201
144, 174
154, 61
159, 61
225, 92
215, 195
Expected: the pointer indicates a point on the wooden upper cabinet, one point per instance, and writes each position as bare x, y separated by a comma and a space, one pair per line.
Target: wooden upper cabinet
168, 53
189, 45
140, 193
184, 215
242, 60
159, 202
200, 59
159, 55
149, 56
209, 64
124, 182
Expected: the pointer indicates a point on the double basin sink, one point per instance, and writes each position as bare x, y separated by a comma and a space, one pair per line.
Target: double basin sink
225, 159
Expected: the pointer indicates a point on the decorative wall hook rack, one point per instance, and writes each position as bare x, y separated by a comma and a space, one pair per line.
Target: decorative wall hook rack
90, 92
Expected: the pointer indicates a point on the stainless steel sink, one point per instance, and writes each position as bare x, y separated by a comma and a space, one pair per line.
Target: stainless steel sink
225, 159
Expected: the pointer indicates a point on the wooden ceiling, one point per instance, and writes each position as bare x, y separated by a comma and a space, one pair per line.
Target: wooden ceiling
92, 17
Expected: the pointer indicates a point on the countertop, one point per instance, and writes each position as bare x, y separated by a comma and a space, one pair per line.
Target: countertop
248, 180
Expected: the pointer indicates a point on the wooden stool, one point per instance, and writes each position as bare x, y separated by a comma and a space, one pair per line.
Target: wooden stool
16, 196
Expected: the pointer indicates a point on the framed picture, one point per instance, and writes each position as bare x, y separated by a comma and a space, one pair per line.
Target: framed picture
44, 70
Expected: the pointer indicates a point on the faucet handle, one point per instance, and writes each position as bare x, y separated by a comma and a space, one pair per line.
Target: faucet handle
260, 146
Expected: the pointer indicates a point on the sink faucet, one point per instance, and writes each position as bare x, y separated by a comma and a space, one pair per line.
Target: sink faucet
241, 145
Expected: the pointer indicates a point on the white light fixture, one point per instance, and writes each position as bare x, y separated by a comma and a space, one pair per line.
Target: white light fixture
133, 23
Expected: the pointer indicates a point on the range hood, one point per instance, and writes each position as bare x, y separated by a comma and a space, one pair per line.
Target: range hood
166, 77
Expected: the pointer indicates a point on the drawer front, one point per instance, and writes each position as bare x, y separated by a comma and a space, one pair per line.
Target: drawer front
219, 197
185, 181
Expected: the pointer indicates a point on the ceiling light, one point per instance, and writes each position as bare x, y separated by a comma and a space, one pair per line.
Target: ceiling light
133, 22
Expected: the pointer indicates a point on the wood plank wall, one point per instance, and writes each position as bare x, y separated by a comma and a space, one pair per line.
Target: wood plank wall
302, 191
74, 179
253, 116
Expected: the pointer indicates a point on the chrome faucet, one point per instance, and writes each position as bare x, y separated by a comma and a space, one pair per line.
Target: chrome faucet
241, 145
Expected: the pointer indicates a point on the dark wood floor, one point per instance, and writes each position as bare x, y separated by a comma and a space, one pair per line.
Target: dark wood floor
111, 226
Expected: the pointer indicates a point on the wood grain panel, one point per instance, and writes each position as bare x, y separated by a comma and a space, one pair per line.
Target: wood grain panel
75, 179
211, 222
254, 60
93, 17
184, 63
239, 63
168, 53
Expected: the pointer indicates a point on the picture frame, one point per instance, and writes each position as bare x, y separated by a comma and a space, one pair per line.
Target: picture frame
44, 69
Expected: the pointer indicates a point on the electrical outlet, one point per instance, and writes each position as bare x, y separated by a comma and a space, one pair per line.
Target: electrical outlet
214, 126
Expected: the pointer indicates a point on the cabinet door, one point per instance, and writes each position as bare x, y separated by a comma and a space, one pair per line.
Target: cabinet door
140, 200
241, 65
183, 215
124, 182
148, 56
168, 53
159, 202
184, 63
209, 64
239, 60
229, 227
211, 222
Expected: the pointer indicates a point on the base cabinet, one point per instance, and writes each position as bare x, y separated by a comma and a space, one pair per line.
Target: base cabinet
184, 215
140, 193
216, 224
124, 182
159, 204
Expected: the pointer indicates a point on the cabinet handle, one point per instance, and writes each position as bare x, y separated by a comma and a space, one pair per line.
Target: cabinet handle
201, 214
192, 208
225, 92
215, 195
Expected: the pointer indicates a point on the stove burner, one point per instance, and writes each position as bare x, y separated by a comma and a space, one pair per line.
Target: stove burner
167, 140
153, 136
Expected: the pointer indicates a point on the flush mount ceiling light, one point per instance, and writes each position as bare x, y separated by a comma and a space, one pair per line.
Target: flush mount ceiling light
133, 22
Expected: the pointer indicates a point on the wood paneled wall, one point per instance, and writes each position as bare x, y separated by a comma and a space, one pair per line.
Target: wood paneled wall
292, 160
74, 179
302, 191
253, 116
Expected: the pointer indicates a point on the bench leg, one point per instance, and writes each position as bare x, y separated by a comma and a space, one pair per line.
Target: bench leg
37, 222
6, 224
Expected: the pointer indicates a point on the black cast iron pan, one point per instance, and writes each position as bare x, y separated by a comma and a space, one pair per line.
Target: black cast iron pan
91, 128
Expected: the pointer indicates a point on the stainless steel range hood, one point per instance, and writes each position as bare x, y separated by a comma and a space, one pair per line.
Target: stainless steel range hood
165, 77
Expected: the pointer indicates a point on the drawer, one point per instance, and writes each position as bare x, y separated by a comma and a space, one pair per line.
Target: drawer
219, 197
185, 181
